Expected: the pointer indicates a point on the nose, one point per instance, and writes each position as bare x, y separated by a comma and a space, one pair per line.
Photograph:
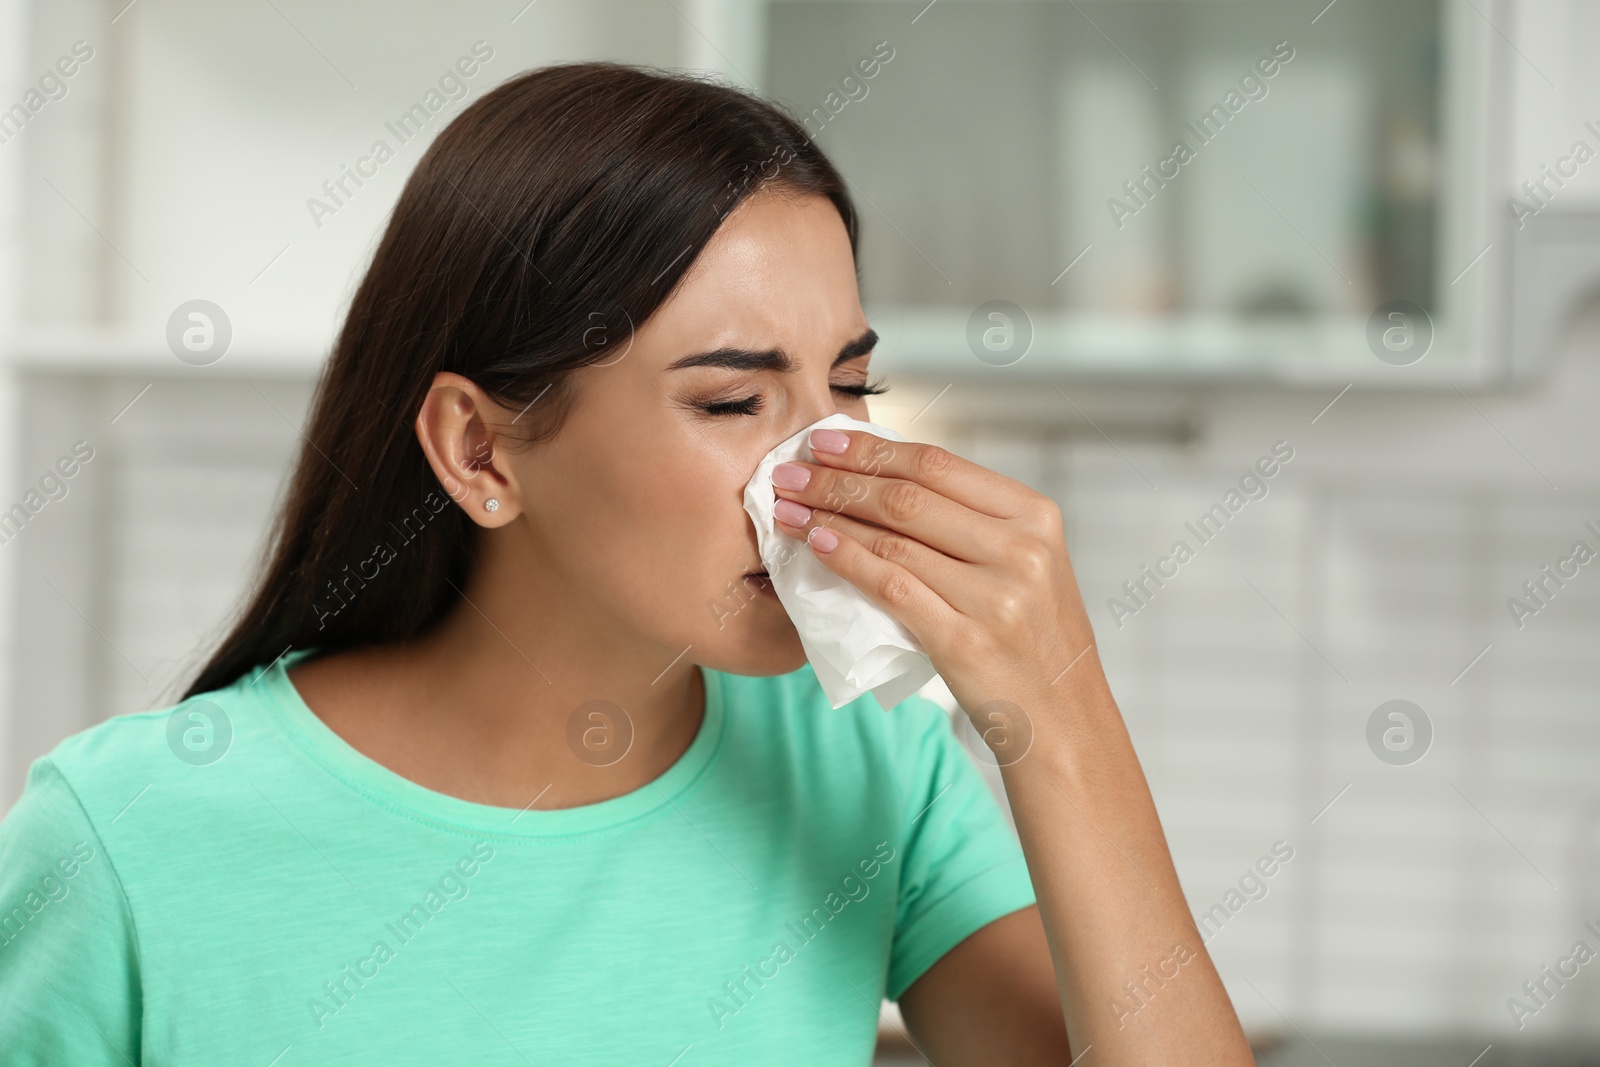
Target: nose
817, 406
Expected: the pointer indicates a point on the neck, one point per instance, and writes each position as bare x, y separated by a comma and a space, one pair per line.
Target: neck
525, 695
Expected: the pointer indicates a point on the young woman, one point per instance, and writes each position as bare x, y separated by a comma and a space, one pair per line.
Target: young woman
511, 759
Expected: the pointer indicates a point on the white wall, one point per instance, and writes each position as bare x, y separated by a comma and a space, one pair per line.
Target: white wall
235, 115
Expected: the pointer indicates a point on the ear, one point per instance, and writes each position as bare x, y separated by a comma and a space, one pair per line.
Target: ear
456, 428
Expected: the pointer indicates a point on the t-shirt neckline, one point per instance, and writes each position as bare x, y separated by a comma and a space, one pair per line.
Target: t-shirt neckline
397, 792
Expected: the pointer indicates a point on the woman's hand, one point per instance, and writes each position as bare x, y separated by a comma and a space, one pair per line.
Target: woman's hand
973, 563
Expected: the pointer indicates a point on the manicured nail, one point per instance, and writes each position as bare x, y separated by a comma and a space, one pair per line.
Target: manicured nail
823, 539
829, 441
787, 511
790, 476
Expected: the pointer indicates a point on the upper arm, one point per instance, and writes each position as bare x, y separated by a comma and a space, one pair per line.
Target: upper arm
991, 999
69, 987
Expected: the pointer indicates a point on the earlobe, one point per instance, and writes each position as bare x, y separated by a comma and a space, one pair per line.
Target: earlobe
453, 427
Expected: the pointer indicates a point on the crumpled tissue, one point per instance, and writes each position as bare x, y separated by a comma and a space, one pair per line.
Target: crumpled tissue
854, 646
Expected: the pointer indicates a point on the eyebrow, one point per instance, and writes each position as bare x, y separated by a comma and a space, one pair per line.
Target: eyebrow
773, 359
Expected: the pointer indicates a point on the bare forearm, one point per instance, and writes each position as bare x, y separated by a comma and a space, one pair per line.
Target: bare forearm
1135, 981
975, 565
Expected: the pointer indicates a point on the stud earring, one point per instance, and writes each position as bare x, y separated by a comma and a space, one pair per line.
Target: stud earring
491, 504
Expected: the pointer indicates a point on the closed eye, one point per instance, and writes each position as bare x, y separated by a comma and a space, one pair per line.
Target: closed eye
751, 405
864, 389
748, 406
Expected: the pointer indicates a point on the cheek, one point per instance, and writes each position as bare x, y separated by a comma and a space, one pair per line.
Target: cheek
697, 510
647, 511
670, 529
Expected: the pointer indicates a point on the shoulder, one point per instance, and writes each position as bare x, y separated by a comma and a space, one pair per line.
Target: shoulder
105, 769
70, 943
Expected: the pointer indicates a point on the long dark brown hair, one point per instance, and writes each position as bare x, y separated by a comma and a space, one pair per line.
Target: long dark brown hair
549, 220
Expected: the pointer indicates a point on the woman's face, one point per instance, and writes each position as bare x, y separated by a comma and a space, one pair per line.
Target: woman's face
636, 506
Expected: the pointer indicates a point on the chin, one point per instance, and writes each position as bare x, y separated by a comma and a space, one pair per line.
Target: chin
758, 649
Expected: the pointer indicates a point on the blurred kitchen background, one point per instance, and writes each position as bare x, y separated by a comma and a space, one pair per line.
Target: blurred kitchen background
1382, 259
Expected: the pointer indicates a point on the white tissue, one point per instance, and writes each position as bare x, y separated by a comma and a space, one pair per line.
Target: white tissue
854, 646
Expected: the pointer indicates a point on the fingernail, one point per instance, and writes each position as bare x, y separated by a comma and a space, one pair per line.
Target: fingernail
790, 476
791, 513
823, 539
829, 441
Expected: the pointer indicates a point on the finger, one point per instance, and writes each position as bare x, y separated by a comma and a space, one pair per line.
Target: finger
963, 481
903, 506
954, 581
897, 591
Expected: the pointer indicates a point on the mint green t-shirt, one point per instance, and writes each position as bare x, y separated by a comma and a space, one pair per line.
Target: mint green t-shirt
229, 882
